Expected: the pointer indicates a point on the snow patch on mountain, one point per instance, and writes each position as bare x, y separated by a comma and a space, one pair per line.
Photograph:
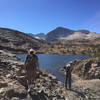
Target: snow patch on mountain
40, 36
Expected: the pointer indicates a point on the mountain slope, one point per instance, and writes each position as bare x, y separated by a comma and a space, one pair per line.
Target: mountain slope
18, 41
40, 36
58, 33
82, 36
65, 34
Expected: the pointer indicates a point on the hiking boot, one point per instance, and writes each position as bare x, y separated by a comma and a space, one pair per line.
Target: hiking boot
70, 89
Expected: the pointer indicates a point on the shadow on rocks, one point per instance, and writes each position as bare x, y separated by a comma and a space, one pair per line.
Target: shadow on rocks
39, 96
79, 93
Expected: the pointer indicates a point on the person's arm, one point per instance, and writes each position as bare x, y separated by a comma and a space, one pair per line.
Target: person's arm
71, 68
37, 64
25, 63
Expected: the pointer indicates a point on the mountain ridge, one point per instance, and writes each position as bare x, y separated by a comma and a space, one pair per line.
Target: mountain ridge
61, 33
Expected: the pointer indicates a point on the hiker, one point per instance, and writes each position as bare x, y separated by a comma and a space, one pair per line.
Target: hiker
31, 67
68, 75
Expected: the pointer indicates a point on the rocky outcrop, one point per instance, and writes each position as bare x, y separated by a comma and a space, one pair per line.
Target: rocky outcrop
88, 68
13, 82
85, 80
47, 87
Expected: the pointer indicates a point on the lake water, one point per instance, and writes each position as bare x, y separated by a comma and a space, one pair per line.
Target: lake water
53, 62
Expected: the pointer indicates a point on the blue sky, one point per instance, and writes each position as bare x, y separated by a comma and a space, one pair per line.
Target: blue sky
35, 16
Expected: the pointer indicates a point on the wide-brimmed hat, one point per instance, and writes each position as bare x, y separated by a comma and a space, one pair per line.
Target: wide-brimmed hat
31, 50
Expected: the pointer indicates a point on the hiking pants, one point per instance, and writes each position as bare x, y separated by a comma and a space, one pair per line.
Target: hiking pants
68, 81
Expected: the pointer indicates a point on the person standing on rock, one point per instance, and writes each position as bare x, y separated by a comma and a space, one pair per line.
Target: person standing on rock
31, 67
68, 75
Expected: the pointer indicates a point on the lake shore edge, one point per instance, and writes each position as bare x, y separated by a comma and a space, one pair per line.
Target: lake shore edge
86, 77
13, 82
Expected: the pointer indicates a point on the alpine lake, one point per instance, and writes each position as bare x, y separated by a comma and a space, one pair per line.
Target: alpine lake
53, 62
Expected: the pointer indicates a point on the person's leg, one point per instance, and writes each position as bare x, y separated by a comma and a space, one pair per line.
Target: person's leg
28, 80
66, 81
32, 79
69, 82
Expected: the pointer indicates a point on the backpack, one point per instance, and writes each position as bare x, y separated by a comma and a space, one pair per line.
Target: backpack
30, 61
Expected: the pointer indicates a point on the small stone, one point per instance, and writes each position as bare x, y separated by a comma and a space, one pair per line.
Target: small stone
15, 98
2, 90
8, 75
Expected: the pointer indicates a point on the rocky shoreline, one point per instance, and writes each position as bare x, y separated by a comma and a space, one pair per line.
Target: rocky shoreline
86, 78
13, 82
47, 87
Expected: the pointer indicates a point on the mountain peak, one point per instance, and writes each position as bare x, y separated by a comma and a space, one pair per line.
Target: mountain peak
58, 33
61, 28
40, 34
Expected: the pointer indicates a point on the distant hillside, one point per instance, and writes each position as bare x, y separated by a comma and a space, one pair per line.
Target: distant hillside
80, 36
60, 40
64, 34
41, 36
17, 41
